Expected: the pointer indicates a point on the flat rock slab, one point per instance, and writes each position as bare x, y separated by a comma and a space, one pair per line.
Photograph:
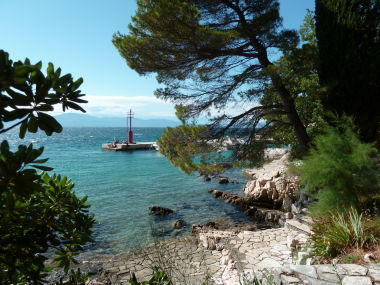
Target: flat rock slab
215, 255
356, 280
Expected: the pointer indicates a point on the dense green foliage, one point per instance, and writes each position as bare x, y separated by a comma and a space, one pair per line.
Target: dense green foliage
27, 94
213, 57
298, 68
337, 232
185, 149
349, 43
341, 170
40, 214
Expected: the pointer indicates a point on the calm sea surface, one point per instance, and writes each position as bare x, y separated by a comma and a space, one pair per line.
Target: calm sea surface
121, 186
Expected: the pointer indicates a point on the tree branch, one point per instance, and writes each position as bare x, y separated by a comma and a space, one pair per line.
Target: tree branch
15, 125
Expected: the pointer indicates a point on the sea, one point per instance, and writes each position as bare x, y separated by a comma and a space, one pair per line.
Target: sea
122, 185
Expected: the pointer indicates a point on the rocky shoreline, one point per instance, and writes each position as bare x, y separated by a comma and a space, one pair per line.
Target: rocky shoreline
274, 246
211, 242
221, 256
229, 257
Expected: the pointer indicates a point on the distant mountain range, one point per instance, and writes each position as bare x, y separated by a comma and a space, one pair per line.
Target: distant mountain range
82, 120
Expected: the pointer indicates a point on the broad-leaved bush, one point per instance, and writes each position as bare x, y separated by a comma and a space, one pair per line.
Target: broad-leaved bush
40, 215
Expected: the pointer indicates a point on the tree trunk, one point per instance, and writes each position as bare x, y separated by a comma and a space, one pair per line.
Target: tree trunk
286, 98
290, 108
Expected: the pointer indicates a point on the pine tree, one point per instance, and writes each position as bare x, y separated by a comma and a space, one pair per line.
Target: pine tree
211, 54
348, 33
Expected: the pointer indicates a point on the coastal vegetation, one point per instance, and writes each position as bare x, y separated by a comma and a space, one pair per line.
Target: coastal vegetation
348, 45
318, 95
215, 55
337, 234
41, 216
340, 170
232, 70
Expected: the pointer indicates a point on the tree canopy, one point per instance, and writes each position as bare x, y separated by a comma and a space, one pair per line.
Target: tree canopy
298, 69
214, 56
40, 215
340, 170
348, 33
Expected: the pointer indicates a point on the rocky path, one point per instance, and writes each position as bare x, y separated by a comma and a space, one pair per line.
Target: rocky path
213, 257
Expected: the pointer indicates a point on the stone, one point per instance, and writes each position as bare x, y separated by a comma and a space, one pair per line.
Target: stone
295, 210
374, 268
219, 247
223, 180
313, 281
375, 277
327, 273
304, 269
178, 224
296, 225
356, 280
206, 178
351, 269
142, 275
225, 260
99, 281
209, 242
267, 263
160, 211
286, 204
285, 279
368, 257
270, 184
288, 216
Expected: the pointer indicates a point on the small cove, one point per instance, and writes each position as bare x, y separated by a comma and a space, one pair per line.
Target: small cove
121, 186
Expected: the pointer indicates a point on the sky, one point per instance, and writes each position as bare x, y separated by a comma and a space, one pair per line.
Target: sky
76, 36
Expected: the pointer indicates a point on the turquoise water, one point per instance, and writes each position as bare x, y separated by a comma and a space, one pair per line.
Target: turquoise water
122, 185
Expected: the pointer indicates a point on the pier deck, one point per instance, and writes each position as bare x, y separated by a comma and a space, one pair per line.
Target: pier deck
128, 146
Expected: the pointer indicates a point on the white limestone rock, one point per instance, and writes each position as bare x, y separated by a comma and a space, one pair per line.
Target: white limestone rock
270, 183
369, 257
356, 280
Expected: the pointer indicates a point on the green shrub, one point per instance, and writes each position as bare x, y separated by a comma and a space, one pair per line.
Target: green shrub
349, 259
340, 170
264, 279
336, 232
159, 278
40, 215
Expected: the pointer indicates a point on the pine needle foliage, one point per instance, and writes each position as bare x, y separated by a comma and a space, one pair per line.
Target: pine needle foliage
340, 170
185, 149
213, 55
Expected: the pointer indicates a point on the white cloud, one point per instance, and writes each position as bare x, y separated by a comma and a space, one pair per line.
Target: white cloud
147, 107
144, 107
